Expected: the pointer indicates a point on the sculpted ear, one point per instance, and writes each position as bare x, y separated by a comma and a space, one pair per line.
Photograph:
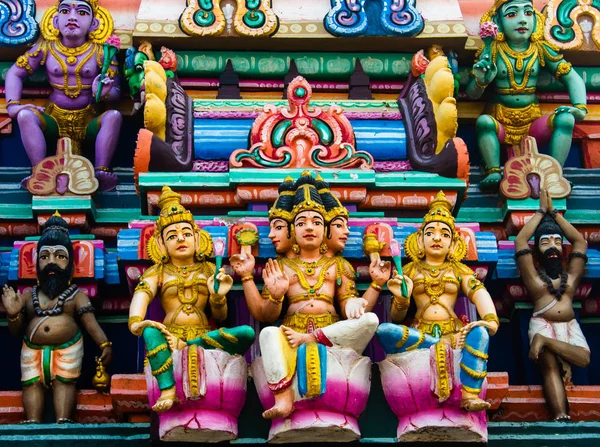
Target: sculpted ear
55, 21
94, 26
420, 243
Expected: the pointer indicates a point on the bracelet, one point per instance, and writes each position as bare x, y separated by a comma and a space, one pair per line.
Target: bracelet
400, 305
554, 212
15, 318
581, 107
492, 317
525, 251
105, 344
376, 286
541, 211
482, 87
573, 254
13, 102
218, 303
85, 309
249, 277
133, 320
496, 170
267, 295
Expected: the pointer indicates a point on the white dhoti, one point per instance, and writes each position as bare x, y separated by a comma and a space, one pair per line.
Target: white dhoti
279, 358
567, 332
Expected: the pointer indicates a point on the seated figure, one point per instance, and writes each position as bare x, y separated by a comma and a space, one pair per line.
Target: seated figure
315, 286
74, 50
511, 62
434, 278
185, 283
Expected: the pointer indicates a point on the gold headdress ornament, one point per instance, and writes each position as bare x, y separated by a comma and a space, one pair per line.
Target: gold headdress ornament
173, 212
538, 33
99, 35
282, 208
304, 200
337, 210
440, 210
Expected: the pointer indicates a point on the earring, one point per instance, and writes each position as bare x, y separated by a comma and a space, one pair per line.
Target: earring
164, 259
451, 257
500, 37
296, 248
420, 254
323, 249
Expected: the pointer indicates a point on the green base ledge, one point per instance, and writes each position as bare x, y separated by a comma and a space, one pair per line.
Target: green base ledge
274, 177
11, 211
505, 434
49, 204
481, 215
533, 204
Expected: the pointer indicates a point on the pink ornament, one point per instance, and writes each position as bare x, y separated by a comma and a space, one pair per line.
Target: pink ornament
488, 29
114, 40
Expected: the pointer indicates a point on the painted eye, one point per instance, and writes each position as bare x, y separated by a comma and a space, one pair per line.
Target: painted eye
43, 257
189, 235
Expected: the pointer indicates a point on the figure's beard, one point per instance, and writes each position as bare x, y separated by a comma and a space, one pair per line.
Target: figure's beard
53, 285
552, 266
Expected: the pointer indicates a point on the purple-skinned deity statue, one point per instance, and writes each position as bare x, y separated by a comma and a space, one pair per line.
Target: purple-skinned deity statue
80, 61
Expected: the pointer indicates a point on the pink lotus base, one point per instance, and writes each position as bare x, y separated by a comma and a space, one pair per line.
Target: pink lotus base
331, 417
406, 380
212, 417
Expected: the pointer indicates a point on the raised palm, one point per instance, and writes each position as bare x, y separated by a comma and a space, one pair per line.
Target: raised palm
276, 281
11, 300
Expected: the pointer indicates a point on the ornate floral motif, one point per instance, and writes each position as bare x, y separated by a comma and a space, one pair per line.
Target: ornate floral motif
572, 23
253, 18
295, 136
17, 22
351, 18
526, 174
63, 172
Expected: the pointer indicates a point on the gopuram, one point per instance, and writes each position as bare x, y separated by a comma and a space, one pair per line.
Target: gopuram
290, 222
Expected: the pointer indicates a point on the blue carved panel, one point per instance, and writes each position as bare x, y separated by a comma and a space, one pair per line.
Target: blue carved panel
352, 18
17, 22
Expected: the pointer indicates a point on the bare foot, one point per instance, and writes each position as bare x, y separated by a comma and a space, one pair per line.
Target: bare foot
296, 339
165, 401
472, 402
537, 344
491, 182
284, 405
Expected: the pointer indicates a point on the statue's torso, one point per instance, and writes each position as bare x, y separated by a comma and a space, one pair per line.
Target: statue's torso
562, 311
80, 75
326, 293
435, 295
184, 298
53, 330
531, 69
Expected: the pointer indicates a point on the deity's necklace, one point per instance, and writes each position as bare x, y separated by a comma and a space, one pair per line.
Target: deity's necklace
558, 293
181, 273
310, 267
310, 288
58, 306
71, 55
433, 269
505, 51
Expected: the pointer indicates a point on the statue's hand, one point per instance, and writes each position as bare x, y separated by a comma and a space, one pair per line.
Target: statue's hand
379, 270
485, 71
276, 281
577, 113
106, 356
12, 301
14, 109
175, 343
243, 265
395, 285
549, 204
491, 326
107, 85
225, 283
137, 328
355, 307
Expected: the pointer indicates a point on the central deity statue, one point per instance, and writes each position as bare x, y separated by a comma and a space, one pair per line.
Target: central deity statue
315, 282
514, 53
185, 283
434, 279
79, 57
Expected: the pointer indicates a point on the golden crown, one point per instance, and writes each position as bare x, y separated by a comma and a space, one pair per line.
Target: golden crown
171, 210
308, 203
338, 210
440, 210
276, 210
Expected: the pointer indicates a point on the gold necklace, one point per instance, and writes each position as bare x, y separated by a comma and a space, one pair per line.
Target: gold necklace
310, 288
71, 91
433, 269
184, 270
310, 267
505, 51
72, 53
